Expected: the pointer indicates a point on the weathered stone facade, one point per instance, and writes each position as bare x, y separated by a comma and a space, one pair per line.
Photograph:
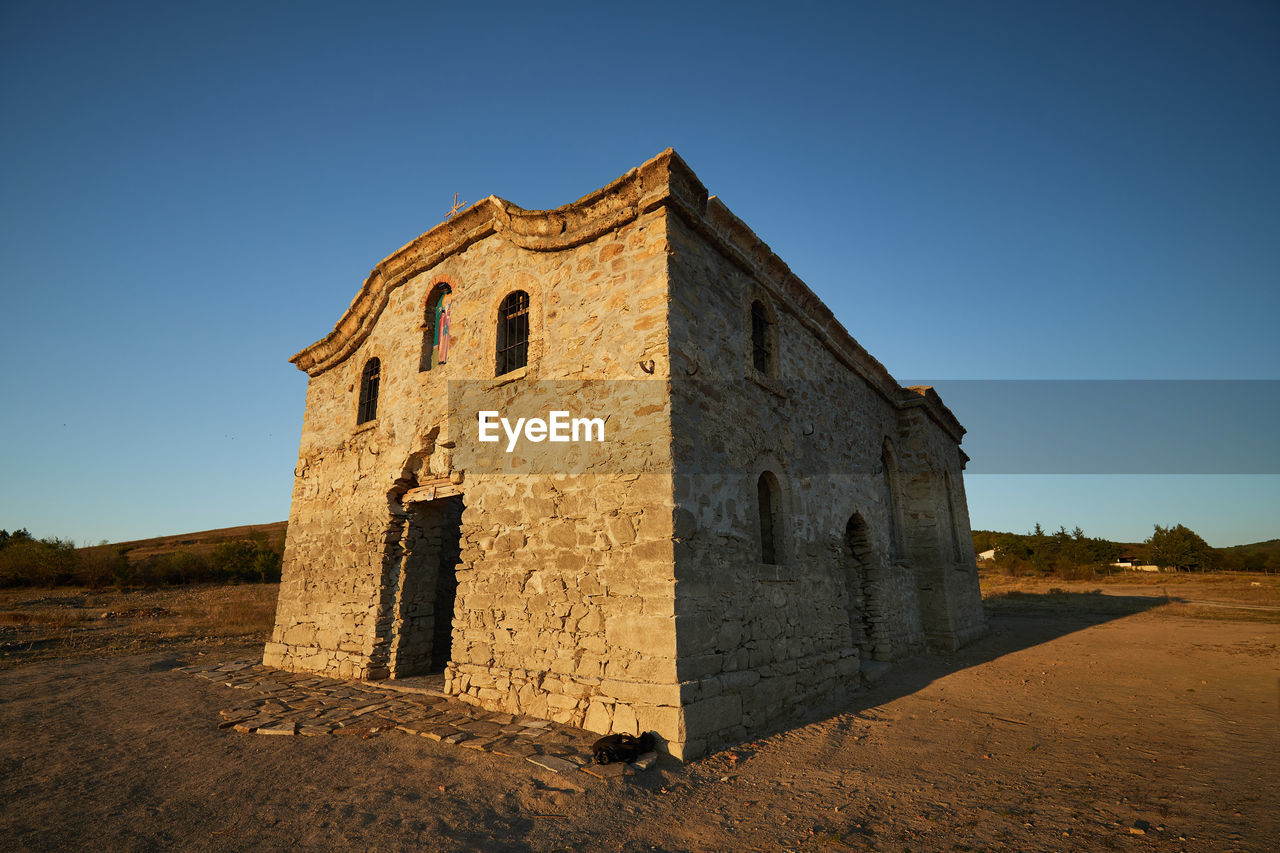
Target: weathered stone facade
768, 508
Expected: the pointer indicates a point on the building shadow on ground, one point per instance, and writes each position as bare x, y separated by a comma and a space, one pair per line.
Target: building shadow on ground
1016, 620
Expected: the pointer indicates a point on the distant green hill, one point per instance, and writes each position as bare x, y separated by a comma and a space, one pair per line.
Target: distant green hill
1254, 557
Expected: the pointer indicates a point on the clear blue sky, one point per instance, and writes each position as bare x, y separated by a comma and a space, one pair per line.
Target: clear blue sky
980, 190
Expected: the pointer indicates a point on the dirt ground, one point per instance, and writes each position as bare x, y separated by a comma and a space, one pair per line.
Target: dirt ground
1133, 718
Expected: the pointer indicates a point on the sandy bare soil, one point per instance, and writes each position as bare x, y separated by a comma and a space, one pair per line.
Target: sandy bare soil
1082, 722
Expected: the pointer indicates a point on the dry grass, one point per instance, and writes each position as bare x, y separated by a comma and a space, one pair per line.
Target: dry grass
1230, 596
38, 624
239, 611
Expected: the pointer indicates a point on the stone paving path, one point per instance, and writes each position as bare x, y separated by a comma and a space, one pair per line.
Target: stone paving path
289, 703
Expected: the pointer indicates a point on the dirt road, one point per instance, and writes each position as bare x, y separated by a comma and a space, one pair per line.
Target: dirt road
1065, 729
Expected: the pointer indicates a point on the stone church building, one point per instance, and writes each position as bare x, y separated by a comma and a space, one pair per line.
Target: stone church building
752, 514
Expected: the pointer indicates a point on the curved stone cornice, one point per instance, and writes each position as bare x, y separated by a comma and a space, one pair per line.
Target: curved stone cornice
638, 191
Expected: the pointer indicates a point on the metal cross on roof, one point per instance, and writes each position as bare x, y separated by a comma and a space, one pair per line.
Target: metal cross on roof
457, 205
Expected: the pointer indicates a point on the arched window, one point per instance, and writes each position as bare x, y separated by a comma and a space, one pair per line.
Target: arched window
761, 343
435, 328
513, 332
889, 486
369, 391
767, 499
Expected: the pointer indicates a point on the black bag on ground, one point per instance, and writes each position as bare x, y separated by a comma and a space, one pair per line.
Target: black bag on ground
624, 748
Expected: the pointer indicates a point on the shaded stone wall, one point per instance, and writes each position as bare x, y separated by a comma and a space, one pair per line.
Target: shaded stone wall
761, 643
938, 533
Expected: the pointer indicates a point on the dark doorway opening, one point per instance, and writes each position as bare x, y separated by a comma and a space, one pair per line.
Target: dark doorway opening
858, 586
423, 632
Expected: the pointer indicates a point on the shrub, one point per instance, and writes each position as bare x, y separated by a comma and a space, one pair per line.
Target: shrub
36, 562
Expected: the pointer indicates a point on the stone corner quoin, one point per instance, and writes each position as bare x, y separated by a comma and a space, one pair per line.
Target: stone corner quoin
767, 508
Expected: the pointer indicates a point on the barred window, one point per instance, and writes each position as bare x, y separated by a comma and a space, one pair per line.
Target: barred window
513, 332
369, 391
761, 348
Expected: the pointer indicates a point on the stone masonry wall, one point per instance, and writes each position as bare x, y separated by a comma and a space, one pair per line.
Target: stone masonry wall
760, 644
565, 594
938, 534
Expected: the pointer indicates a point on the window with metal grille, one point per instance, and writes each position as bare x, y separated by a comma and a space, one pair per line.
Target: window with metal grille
761, 349
513, 332
767, 499
369, 391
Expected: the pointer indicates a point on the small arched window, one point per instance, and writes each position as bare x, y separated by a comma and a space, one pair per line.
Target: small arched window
435, 328
767, 499
513, 332
369, 391
762, 356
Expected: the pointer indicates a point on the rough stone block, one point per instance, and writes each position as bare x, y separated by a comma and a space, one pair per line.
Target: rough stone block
714, 714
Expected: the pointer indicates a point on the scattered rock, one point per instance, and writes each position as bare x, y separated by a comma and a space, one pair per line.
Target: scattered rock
605, 771
646, 761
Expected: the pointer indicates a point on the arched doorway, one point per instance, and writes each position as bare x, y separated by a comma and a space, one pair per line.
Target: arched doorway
859, 588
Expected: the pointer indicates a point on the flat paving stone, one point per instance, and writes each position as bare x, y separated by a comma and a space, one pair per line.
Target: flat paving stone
282, 703
515, 750
479, 743
553, 763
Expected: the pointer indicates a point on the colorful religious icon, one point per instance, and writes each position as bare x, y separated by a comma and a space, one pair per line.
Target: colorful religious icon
442, 326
